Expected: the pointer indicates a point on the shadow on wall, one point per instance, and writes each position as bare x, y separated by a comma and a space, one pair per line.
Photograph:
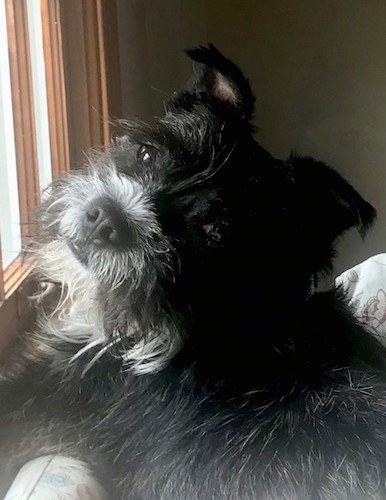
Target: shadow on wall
318, 69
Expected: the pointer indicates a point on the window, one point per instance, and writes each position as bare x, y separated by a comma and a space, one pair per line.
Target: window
55, 102
9, 213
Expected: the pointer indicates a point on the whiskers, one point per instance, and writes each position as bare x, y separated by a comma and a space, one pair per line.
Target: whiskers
103, 349
116, 268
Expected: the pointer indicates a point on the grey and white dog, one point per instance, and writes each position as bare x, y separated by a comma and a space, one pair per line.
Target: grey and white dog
181, 350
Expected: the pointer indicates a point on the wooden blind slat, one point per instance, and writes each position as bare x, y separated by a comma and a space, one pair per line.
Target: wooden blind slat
102, 70
56, 98
96, 77
78, 109
108, 32
59, 79
23, 113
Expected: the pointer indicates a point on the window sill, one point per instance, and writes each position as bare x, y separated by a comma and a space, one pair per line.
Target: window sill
16, 311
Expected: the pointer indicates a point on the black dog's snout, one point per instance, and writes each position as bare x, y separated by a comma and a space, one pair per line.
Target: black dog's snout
105, 225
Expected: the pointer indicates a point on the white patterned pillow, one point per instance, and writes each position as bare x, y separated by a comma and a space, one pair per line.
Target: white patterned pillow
365, 285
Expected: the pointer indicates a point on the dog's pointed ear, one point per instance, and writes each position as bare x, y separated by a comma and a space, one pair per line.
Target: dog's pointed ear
218, 79
337, 205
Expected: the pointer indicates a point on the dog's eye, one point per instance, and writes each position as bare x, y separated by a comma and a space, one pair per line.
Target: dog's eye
147, 155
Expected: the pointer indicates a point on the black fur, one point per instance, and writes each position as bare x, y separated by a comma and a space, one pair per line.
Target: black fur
275, 391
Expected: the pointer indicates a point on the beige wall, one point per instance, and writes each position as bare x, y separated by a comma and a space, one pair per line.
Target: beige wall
153, 34
318, 68
133, 53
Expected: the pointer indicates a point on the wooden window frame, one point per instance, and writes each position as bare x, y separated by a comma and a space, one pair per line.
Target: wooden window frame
14, 310
24, 131
24, 121
79, 112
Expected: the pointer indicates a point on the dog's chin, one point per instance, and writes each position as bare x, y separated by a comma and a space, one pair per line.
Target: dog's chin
109, 268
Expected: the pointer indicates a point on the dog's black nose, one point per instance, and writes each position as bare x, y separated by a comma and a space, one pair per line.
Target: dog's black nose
105, 225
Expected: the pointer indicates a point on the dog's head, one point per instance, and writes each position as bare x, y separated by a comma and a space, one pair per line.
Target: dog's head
170, 222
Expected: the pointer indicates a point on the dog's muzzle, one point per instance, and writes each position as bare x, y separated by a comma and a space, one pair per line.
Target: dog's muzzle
104, 225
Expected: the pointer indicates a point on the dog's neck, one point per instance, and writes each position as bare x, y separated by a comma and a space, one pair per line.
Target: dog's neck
271, 328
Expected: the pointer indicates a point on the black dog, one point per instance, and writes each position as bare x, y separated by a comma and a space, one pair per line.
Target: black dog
182, 351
